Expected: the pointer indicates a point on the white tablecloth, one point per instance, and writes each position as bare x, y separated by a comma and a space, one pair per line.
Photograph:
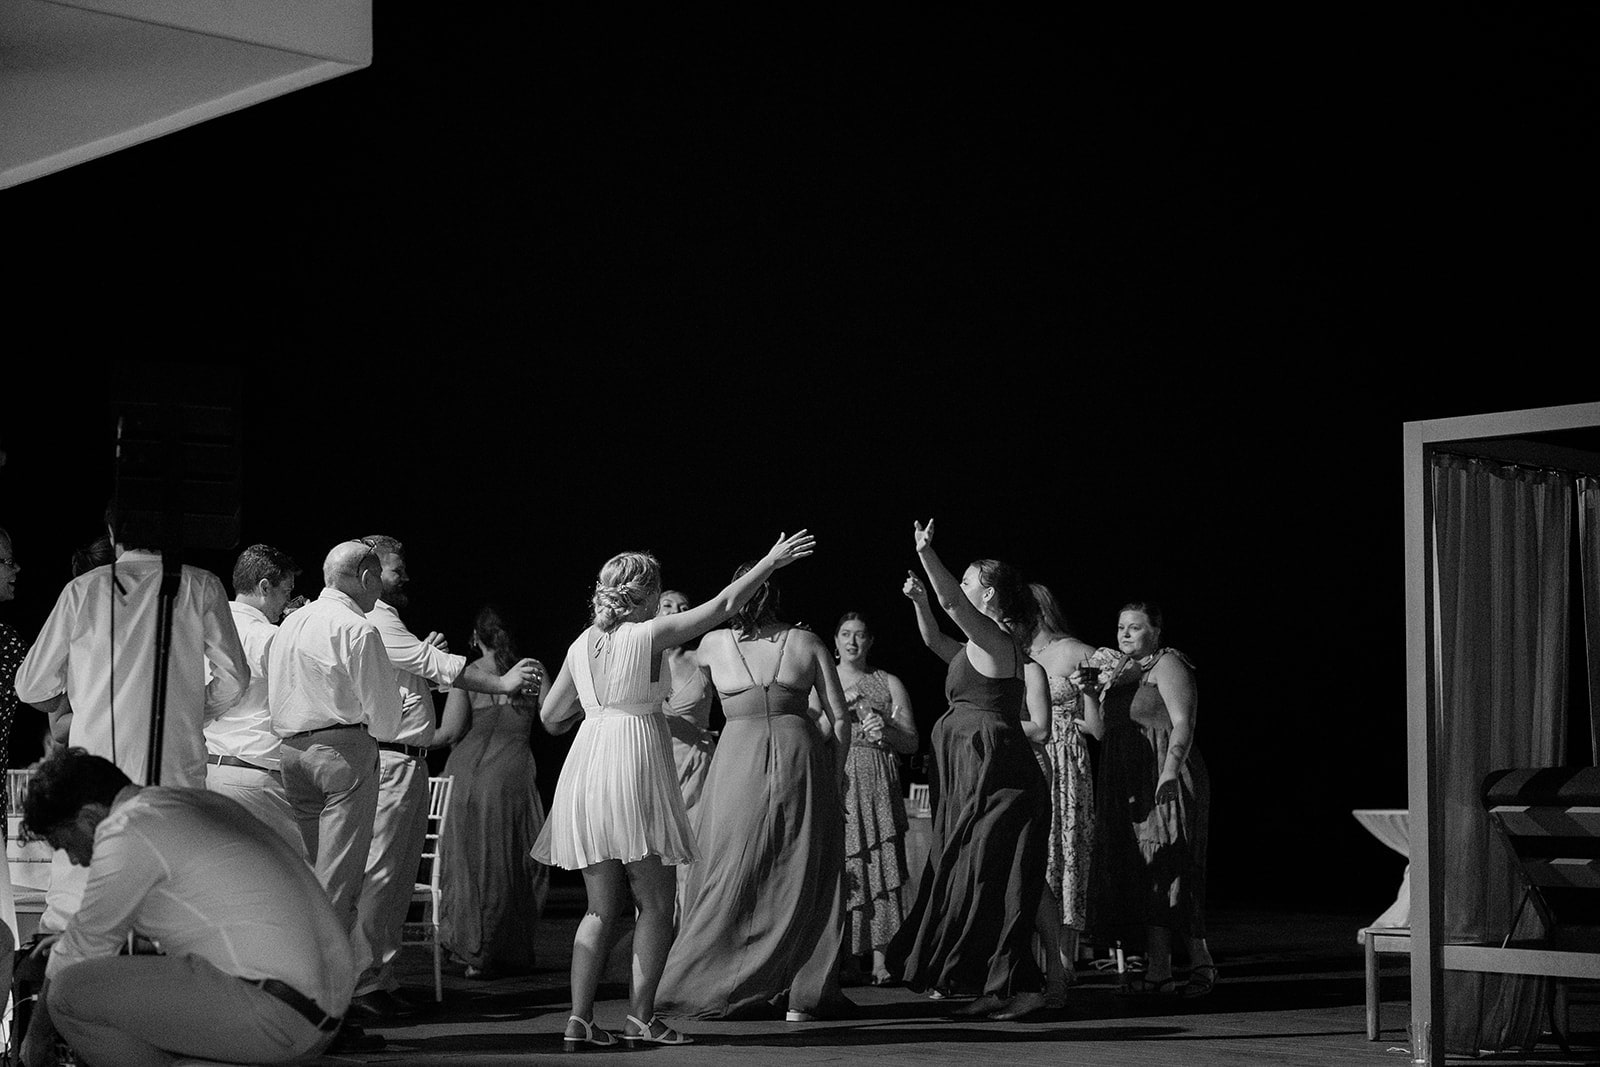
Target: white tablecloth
1389, 825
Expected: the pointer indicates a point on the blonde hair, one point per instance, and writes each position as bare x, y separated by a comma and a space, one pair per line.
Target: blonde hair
628, 580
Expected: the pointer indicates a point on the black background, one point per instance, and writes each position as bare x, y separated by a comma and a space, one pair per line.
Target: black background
1141, 308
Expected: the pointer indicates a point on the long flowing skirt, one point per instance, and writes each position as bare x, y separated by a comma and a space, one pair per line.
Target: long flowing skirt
492, 890
765, 906
970, 929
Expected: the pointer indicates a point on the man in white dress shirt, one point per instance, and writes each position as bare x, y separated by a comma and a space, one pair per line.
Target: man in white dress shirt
107, 676
331, 693
254, 966
401, 823
241, 749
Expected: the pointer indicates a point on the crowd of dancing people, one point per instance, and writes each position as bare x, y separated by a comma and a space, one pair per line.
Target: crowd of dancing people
759, 869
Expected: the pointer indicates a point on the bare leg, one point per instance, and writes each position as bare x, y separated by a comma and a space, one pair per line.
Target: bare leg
880, 966
655, 886
606, 885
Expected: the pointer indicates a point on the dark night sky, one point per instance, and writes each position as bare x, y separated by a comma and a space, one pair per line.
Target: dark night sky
1141, 308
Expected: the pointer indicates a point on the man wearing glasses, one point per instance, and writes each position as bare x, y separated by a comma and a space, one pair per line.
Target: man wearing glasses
331, 694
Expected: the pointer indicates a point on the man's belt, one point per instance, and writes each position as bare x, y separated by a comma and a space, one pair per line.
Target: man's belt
298, 1001
414, 751
331, 726
235, 761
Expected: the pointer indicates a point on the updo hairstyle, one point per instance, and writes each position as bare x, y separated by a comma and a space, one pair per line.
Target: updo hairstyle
628, 580
760, 609
495, 636
1019, 611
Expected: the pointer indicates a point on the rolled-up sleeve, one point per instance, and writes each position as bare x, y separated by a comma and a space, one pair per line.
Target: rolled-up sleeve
124, 869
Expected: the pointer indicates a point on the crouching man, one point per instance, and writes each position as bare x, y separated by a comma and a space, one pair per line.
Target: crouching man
254, 967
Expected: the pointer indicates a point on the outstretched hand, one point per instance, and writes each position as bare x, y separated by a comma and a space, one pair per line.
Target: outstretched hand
923, 535
790, 548
914, 587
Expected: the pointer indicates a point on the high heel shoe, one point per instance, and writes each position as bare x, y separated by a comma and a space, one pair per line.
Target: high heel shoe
1055, 992
592, 1035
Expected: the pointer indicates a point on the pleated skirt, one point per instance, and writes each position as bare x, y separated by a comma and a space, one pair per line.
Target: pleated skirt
617, 797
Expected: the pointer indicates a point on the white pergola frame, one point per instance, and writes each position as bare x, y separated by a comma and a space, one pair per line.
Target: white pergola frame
1430, 957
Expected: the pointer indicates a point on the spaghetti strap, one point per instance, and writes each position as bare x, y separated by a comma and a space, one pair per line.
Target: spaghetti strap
783, 643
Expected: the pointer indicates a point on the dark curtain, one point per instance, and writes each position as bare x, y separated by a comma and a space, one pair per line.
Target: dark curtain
1501, 546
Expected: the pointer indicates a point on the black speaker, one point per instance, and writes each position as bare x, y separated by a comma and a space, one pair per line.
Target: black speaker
177, 458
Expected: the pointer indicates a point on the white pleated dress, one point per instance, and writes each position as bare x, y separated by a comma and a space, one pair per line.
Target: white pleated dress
617, 797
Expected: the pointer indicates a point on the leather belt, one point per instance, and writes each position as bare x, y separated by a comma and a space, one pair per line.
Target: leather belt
235, 761
414, 751
298, 1001
331, 726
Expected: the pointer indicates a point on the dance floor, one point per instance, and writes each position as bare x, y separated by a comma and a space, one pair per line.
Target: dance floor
1291, 992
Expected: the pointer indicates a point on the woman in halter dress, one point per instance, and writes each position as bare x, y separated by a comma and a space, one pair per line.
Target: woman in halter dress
1154, 803
1066, 760
763, 930
971, 927
875, 821
493, 889
617, 814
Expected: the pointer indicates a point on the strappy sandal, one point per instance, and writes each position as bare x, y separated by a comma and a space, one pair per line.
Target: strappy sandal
1137, 985
1202, 980
592, 1035
648, 1035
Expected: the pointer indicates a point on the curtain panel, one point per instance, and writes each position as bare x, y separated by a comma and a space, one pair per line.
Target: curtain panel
1500, 545
1589, 557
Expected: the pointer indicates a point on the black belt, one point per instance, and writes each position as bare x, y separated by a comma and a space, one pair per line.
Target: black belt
332, 726
298, 1001
235, 761
414, 751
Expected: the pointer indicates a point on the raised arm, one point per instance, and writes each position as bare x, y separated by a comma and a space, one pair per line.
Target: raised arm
981, 630
939, 643
666, 631
1176, 683
1036, 727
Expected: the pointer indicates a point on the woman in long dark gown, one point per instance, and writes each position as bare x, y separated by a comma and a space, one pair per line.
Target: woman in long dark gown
970, 929
1154, 803
764, 921
493, 891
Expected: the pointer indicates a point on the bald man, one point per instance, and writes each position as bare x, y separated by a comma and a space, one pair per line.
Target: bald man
332, 697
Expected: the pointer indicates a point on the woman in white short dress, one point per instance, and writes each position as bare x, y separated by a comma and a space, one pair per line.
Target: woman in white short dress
617, 814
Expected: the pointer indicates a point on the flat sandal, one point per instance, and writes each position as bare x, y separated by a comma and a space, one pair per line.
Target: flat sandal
647, 1035
592, 1035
